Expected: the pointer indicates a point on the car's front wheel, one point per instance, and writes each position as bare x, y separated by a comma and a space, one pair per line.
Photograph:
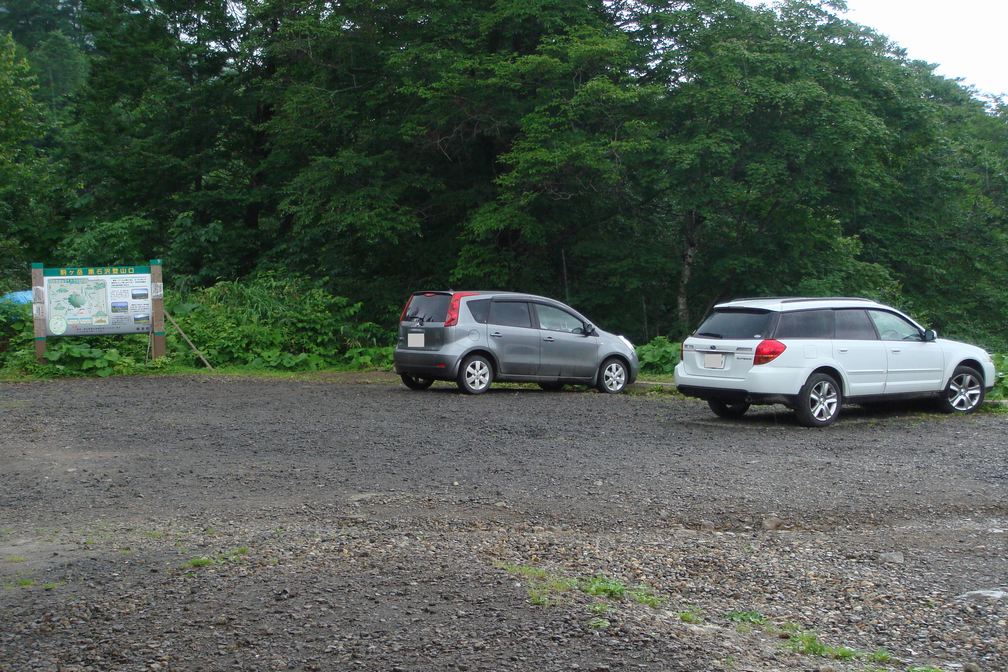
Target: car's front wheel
723, 409
819, 401
964, 392
416, 383
612, 376
475, 374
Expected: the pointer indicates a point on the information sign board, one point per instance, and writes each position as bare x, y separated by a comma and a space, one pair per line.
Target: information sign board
88, 301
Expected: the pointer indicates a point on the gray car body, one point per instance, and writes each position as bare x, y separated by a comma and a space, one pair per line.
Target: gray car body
518, 354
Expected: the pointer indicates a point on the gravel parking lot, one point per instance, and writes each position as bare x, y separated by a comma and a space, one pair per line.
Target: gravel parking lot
346, 523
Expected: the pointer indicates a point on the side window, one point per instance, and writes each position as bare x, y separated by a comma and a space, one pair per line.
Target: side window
479, 309
892, 327
805, 324
510, 314
854, 325
554, 319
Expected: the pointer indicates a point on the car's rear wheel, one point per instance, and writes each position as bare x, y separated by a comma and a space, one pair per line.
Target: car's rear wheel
415, 382
551, 387
819, 401
724, 409
964, 392
475, 374
612, 376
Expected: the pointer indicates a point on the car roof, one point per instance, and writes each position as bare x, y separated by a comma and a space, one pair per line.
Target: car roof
789, 303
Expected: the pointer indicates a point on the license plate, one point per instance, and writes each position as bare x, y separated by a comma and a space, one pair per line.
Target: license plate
713, 361
414, 340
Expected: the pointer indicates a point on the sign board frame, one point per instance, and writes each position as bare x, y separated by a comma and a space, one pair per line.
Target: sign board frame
93, 300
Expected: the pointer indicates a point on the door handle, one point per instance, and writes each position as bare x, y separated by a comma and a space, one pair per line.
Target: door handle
844, 350
496, 334
897, 350
549, 339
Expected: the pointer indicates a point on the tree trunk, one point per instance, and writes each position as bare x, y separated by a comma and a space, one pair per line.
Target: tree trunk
689, 253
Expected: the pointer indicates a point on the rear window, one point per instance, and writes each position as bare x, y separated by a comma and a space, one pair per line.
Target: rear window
854, 325
805, 324
479, 309
428, 307
735, 323
510, 314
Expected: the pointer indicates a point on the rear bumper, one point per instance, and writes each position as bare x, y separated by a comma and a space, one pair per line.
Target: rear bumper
767, 386
734, 396
435, 365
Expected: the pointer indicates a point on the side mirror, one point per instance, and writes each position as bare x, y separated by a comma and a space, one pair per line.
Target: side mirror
930, 335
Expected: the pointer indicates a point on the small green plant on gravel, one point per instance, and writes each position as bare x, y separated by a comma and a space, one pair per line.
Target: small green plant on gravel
197, 562
234, 554
751, 617
527, 571
154, 534
646, 596
600, 608
601, 586
599, 623
807, 643
923, 668
691, 615
25, 583
16, 558
50, 585
880, 656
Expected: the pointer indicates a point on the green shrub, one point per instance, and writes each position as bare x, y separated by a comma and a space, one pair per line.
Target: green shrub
273, 322
1000, 390
658, 356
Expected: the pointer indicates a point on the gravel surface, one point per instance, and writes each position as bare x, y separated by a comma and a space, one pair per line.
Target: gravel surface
212, 523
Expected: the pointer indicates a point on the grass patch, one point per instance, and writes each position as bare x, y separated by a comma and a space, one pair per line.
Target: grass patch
50, 585
545, 588
599, 623
923, 668
201, 561
646, 596
691, 615
25, 583
16, 558
601, 586
750, 617
154, 534
880, 656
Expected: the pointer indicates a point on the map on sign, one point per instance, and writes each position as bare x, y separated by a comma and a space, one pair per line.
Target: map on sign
80, 305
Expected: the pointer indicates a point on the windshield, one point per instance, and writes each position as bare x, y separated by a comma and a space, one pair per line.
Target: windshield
735, 323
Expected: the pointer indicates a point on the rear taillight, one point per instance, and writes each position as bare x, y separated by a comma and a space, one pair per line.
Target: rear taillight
453, 308
767, 351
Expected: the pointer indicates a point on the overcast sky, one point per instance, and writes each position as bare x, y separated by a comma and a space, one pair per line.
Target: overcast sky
967, 38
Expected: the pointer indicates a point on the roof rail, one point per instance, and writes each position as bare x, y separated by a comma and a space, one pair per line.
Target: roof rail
825, 298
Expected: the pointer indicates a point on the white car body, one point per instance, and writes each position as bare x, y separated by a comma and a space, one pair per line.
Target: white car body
903, 362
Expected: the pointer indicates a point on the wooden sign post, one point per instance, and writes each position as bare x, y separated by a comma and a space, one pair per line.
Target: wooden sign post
38, 311
157, 309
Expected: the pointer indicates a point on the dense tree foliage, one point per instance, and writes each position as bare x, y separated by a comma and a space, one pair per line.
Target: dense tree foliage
642, 158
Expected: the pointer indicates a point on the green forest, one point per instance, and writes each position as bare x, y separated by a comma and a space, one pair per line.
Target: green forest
640, 159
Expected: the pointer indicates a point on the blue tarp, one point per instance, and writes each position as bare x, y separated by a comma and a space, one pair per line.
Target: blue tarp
24, 296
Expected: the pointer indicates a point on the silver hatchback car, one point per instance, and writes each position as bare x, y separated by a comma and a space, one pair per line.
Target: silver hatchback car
475, 338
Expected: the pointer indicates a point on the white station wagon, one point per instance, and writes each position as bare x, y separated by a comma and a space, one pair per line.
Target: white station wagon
816, 354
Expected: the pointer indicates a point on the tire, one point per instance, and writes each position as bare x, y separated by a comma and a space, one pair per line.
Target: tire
964, 392
819, 401
475, 374
416, 383
724, 409
551, 387
612, 376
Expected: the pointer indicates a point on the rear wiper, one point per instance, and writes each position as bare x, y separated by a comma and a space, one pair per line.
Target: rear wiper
708, 333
